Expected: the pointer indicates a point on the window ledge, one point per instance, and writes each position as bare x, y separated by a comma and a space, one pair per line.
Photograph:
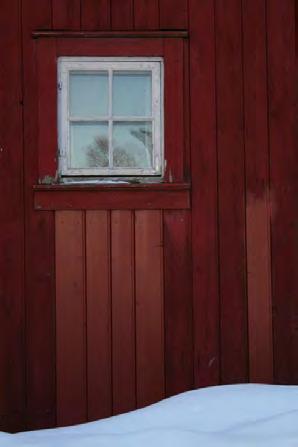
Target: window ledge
112, 196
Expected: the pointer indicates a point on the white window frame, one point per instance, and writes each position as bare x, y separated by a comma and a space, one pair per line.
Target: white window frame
110, 64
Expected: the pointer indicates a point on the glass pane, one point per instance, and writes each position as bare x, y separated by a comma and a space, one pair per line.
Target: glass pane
89, 94
132, 93
132, 145
89, 145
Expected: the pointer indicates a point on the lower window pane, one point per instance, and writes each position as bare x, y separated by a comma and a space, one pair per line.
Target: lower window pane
132, 145
89, 145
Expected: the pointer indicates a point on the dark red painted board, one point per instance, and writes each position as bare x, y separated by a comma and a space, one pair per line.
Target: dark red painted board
66, 14
39, 244
95, 14
123, 311
146, 14
122, 14
71, 318
98, 295
149, 286
119, 199
12, 340
179, 365
173, 14
284, 186
204, 194
231, 187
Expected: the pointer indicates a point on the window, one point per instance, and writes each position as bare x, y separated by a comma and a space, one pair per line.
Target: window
110, 116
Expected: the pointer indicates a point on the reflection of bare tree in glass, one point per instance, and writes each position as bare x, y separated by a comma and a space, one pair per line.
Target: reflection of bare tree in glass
98, 151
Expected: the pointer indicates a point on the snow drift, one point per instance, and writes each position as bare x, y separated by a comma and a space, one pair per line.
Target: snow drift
223, 416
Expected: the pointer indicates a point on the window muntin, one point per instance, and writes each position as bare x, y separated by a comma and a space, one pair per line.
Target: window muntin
110, 116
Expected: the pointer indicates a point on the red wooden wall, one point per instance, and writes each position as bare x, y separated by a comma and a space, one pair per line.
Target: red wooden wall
185, 297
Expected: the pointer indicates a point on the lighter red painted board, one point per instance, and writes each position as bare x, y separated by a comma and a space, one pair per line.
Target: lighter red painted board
98, 293
257, 193
123, 311
70, 318
149, 307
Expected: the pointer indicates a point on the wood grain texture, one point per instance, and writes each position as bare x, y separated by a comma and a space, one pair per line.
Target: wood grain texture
149, 307
284, 187
173, 14
231, 187
39, 243
122, 14
98, 295
12, 366
123, 311
95, 14
71, 318
178, 302
257, 193
146, 14
204, 199
66, 14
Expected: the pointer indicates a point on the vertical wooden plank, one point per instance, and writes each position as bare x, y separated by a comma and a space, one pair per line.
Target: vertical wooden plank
257, 192
47, 110
231, 192
178, 302
284, 186
66, 14
95, 14
173, 14
146, 14
98, 314
123, 311
70, 318
122, 14
12, 380
204, 199
174, 131
149, 307
40, 243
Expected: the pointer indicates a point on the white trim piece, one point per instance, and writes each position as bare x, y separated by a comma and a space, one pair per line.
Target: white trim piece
109, 64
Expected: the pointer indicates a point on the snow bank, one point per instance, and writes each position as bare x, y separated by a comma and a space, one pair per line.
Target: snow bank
224, 416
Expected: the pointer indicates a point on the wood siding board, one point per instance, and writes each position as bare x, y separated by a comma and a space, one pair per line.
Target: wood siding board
96, 14
47, 109
174, 128
71, 318
66, 14
149, 307
98, 314
204, 194
284, 187
146, 14
173, 14
123, 311
122, 14
50, 200
257, 192
231, 177
39, 244
178, 302
12, 377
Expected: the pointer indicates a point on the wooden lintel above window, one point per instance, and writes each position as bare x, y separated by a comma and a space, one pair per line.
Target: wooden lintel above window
180, 34
118, 196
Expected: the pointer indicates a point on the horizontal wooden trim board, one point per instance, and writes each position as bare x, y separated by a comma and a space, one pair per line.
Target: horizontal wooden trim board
86, 197
180, 34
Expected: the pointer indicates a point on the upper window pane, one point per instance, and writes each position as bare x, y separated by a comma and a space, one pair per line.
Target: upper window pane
132, 93
89, 94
